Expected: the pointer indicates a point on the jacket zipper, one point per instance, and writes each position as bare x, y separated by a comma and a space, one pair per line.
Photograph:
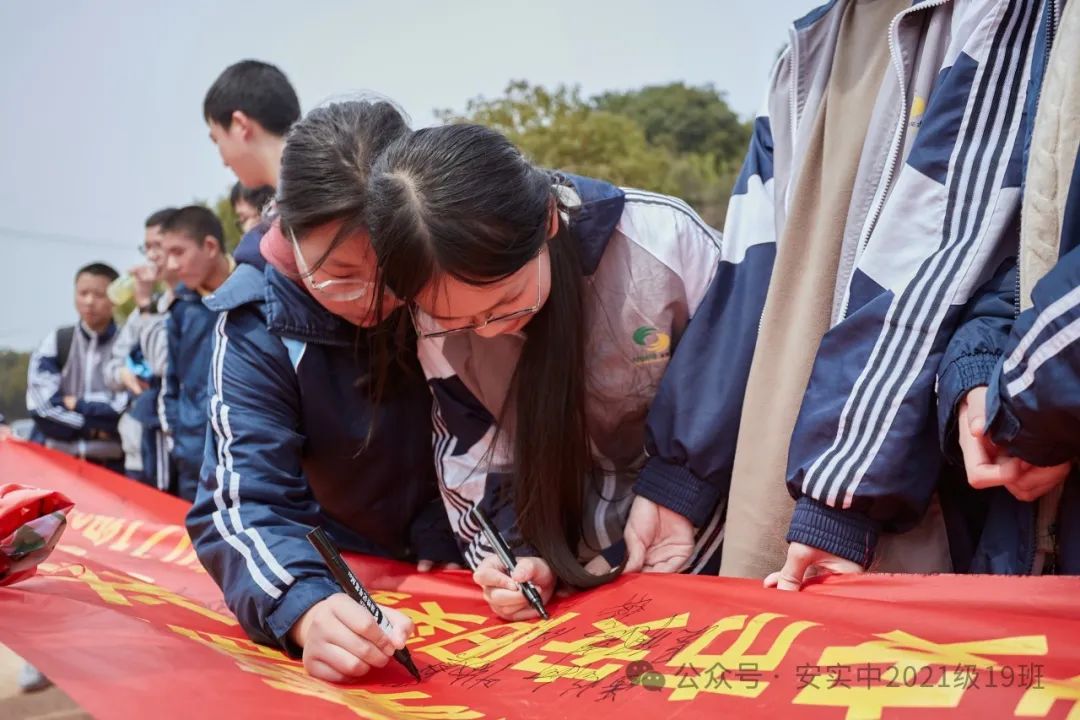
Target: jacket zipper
894, 150
1033, 547
88, 371
1051, 32
1016, 297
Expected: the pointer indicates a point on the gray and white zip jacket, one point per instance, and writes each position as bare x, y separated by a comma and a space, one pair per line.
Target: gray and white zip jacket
98, 407
933, 215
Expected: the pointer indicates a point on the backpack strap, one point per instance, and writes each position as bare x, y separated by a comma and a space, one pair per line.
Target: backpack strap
64, 337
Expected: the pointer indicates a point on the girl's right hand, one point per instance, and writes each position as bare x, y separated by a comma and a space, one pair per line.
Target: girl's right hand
501, 589
342, 641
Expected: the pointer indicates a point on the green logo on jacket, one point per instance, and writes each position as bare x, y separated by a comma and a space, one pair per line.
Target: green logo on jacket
657, 345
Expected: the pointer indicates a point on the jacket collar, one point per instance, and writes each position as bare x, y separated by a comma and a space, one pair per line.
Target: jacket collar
289, 310
183, 292
104, 336
292, 312
247, 252
592, 210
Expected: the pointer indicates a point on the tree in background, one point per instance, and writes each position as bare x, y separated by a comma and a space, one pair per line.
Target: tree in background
224, 210
13, 368
557, 129
684, 119
680, 149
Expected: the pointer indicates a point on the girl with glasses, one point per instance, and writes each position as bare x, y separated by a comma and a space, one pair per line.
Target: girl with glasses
555, 317
295, 439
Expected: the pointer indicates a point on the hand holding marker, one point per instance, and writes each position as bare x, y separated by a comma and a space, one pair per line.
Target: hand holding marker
509, 561
352, 587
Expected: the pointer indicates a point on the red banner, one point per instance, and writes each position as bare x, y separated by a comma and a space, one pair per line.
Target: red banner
124, 619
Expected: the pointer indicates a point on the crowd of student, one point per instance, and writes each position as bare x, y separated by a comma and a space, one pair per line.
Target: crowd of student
874, 366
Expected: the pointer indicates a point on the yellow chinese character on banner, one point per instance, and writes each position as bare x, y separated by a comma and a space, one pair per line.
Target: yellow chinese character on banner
102, 529
117, 589
282, 674
905, 655
388, 597
734, 671
236, 647
77, 519
485, 645
161, 535
431, 618
1039, 699
615, 641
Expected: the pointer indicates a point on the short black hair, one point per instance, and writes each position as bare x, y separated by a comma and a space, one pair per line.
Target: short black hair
195, 221
100, 269
158, 217
257, 89
256, 197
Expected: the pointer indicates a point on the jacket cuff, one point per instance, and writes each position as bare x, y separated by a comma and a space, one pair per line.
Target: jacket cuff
962, 375
1001, 424
678, 489
615, 554
297, 600
844, 533
1006, 430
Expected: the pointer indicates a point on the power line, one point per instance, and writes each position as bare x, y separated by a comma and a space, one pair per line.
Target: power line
79, 240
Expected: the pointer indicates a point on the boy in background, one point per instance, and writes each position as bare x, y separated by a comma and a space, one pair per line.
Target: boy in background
193, 245
139, 358
73, 408
249, 110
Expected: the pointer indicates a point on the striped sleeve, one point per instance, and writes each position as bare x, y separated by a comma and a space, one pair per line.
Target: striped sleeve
44, 399
102, 411
1033, 405
154, 343
254, 507
693, 422
863, 455
126, 339
470, 470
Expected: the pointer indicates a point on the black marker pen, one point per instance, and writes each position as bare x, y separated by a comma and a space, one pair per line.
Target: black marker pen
352, 587
503, 551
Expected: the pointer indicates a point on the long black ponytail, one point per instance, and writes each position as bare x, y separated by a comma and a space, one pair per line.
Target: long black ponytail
461, 200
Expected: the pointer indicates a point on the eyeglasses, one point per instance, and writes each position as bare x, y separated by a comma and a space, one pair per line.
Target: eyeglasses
341, 289
428, 327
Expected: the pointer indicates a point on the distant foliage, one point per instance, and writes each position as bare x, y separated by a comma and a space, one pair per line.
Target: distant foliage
674, 139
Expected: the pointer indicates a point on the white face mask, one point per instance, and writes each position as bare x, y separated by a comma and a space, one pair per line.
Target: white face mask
337, 289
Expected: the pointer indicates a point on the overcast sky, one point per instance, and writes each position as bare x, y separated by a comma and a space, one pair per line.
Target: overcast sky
100, 102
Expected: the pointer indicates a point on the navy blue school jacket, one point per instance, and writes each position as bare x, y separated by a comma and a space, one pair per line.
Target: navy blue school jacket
1031, 366
189, 329
285, 451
